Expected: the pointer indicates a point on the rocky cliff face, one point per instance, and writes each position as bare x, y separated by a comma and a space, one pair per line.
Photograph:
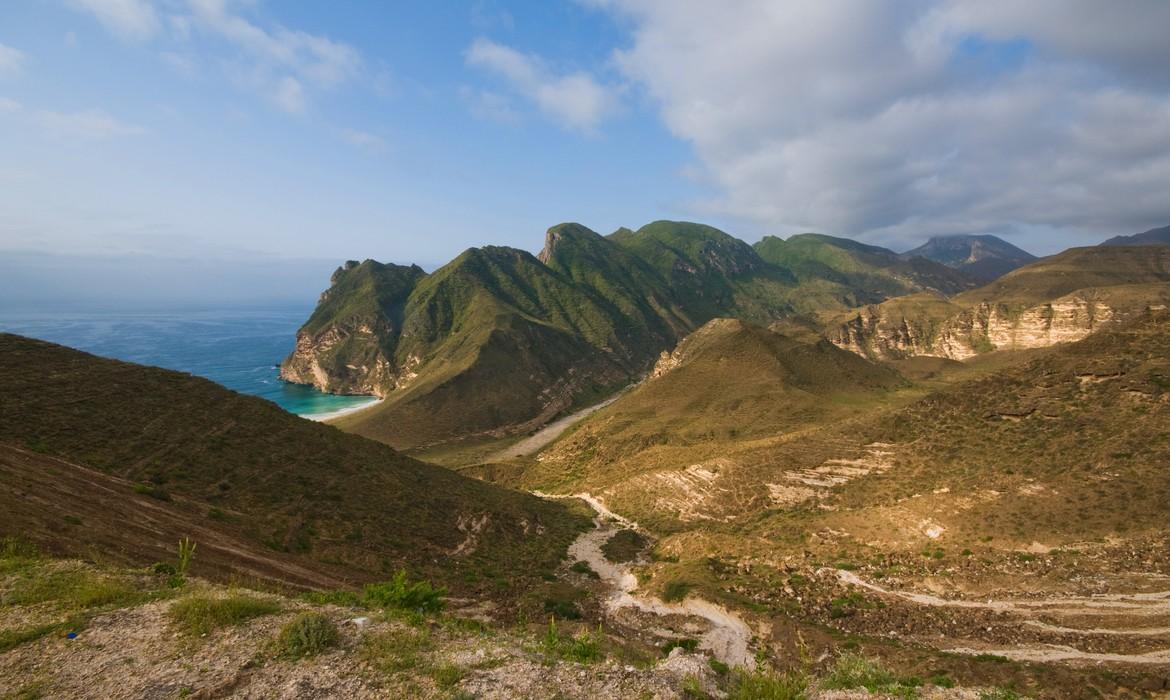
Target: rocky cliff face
878, 333
348, 345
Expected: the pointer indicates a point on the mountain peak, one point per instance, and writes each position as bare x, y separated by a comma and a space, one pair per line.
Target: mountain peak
562, 232
1155, 236
982, 257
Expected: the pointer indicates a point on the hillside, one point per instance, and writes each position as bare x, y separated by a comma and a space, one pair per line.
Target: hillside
727, 382
982, 258
498, 343
337, 504
840, 272
992, 518
1155, 236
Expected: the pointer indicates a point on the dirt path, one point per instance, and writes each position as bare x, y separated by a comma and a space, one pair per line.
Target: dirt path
533, 443
727, 638
1129, 607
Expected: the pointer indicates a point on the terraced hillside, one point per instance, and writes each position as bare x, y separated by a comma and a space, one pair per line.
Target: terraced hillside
181, 452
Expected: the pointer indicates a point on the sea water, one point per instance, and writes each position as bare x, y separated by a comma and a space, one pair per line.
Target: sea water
236, 347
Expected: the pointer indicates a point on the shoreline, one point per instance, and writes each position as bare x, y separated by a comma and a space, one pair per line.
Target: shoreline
330, 415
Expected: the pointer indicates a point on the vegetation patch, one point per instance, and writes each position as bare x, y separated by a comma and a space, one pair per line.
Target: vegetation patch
853, 671
764, 684
307, 635
199, 615
583, 647
676, 590
624, 546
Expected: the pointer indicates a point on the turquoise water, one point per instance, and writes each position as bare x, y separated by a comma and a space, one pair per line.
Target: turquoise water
237, 348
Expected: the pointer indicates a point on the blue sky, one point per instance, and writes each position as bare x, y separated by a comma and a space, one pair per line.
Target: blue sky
161, 144
262, 130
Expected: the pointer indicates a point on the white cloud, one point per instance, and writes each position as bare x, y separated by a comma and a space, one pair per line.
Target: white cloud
132, 19
9, 105
183, 64
90, 123
575, 100
318, 59
363, 140
488, 105
11, 60
878, 117
289, 95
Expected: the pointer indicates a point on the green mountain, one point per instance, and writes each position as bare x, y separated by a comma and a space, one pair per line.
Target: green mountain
312, 496
1155, 236
841, 273
498, 342
981, 258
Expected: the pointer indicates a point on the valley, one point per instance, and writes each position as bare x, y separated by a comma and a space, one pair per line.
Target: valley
660, 463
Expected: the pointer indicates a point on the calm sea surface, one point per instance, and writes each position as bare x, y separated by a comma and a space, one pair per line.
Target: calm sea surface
237, 348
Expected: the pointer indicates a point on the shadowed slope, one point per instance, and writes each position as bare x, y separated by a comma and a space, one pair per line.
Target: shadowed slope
278, 480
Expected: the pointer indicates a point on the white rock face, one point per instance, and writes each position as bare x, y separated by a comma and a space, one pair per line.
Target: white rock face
980, 329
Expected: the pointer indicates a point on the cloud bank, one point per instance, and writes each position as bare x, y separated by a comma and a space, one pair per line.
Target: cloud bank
898, 119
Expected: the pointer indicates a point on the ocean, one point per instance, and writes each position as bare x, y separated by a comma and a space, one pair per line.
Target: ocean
236, 347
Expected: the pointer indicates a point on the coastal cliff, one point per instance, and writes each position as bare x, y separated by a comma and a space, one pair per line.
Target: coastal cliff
348, 345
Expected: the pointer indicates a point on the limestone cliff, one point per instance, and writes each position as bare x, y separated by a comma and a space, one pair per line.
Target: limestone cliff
887, 332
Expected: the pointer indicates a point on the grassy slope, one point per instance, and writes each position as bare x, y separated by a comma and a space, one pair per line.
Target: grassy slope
710, 273
731, 382
1074, 270
287, 483
836, 272
494, 330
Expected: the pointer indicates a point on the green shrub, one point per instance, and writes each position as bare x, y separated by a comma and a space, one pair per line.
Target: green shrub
447, 675
401, 593
675, 591
201, 614
763, 684
583, 648
152, 491
624, 546
684, 644
309, 634
397, 649
582, 567
853, 671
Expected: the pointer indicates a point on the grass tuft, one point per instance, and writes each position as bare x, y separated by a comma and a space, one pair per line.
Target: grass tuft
202, 614
307, 635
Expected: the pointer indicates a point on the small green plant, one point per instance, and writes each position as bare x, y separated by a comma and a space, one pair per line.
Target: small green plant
583, 648
718, 666
764, 684
676, 590
186, 553
999, 694
852, 671
684, 644
398, 649
403, 594
201, 614
447, 675
582, 567
153, 491
307, 635
692, 688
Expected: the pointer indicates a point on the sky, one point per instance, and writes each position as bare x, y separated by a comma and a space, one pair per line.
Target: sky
297, 134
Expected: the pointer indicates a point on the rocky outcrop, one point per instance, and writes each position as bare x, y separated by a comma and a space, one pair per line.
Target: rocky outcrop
877, 333
348, 345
